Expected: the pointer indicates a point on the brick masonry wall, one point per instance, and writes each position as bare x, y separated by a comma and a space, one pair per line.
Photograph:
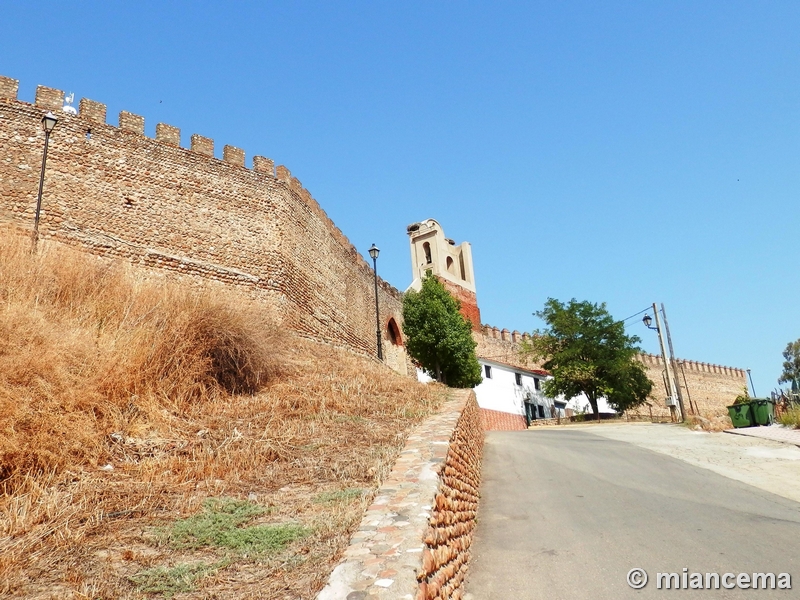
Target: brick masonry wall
414, 541
493, 346
496, 420
117, 193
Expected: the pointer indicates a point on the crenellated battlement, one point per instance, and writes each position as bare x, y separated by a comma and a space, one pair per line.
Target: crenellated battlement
503, 334
693, 365
95, 113
90, 110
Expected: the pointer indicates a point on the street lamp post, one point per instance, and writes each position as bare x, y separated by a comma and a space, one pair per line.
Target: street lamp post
373, 252
48, 123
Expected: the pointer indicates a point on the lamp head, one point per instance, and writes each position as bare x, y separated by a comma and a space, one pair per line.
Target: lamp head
374, 251
647, 320
49, 121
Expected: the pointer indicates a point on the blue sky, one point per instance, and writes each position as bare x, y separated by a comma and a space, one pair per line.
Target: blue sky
619, 152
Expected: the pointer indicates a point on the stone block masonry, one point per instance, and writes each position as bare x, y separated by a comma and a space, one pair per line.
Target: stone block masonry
49, 98
8, 87
120, 194
414, 541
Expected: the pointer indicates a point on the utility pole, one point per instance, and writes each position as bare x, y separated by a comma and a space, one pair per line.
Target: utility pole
674, 364
670, 381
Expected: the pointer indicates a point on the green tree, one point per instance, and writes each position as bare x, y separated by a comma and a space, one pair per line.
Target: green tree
791, 365
438, 337
588, 352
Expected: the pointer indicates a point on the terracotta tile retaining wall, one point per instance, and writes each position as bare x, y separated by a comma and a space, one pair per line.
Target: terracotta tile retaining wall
414, 541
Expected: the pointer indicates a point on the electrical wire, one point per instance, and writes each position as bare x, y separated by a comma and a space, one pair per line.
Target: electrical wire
637, 314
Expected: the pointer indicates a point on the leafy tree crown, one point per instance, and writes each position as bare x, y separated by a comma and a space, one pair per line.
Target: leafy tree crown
588, 352
438, 337
791, 365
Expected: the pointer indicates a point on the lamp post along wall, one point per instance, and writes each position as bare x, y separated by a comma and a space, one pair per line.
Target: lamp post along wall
48, 123
373, 252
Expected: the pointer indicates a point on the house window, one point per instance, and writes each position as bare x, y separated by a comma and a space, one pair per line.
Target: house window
518, 378
536, 385
427, 248
487, 370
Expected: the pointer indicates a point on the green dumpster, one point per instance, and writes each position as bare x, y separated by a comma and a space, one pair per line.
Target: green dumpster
763, 411
741, 415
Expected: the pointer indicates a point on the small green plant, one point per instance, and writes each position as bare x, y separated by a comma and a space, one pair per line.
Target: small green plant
171, 581
221, 525
743, 398
338, 496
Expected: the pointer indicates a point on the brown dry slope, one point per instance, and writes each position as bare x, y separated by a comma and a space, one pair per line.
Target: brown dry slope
160, 442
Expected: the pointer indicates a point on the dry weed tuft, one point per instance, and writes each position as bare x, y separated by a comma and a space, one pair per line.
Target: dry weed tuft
85, 346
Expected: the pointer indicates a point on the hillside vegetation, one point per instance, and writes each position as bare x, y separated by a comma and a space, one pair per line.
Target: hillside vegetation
165, 440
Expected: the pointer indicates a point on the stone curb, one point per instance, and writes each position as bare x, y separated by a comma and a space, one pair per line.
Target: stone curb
775, 433
385, 556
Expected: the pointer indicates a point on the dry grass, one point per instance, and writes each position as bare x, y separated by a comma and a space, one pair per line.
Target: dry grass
126, 404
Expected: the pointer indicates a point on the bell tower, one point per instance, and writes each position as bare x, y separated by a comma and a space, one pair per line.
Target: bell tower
432, 252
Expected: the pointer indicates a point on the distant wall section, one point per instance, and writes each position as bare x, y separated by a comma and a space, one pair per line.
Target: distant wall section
502, 345
711, 388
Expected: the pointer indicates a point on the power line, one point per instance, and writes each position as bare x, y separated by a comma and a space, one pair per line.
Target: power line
637, 314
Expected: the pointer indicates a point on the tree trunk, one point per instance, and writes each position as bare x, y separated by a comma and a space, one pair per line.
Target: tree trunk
595, 410
438, 373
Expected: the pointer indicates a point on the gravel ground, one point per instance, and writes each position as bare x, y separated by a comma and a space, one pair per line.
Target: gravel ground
770, 466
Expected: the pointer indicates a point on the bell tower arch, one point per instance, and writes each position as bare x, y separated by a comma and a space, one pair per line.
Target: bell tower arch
432, 252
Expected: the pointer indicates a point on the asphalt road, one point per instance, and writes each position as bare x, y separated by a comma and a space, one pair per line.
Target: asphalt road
566, 514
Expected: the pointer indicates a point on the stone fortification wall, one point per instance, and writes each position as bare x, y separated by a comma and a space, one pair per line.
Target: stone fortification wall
503, 346
118, 193
711, 388
414, 541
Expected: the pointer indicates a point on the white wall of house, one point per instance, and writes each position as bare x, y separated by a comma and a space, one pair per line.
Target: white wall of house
499, 391
502, 393
506, 388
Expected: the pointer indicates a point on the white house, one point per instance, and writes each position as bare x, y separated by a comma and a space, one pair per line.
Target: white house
517, 391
